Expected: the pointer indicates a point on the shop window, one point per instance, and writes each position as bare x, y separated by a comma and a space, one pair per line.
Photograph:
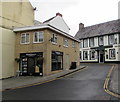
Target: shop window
85, 55
38, 37
57, 60
112, 54
25, 37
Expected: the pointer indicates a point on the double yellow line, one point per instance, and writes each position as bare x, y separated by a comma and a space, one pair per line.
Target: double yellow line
39, 83
107, 82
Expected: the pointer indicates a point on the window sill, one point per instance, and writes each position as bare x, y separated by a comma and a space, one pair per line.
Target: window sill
54, 43
24, 43
38, 42
65, 46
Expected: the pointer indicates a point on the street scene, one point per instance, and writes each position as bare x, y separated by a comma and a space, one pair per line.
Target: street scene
87, 84
64, 50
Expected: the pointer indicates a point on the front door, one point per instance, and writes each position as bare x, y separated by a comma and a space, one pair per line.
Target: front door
31, 66
101, 56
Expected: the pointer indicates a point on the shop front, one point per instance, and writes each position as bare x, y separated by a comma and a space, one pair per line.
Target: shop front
31, 64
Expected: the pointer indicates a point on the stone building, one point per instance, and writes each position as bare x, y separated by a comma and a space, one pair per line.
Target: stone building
45, 49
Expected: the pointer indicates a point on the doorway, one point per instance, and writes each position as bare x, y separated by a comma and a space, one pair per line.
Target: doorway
101, 56
31, 66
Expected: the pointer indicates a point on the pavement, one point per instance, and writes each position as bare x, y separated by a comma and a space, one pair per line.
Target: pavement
115, 80
22, 81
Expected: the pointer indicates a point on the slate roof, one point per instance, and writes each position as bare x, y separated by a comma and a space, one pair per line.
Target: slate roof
99, 29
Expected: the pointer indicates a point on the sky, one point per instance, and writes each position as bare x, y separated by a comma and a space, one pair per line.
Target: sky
89, 12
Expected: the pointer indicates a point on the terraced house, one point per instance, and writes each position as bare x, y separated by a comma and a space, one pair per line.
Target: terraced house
100, 43
46, 48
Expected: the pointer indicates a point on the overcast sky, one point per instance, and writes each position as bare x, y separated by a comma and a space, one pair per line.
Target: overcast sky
89, 12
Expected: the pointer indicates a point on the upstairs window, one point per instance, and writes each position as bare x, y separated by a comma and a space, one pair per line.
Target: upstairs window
66, 42
54, 39
101, 41
73, 43
91, 42
111, 39
25, 38
38, 37
85, 43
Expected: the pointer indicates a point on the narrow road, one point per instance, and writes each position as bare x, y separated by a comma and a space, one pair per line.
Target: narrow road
84, 85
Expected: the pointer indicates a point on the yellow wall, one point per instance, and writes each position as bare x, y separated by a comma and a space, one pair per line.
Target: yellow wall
47, 47
13, 14
17, 14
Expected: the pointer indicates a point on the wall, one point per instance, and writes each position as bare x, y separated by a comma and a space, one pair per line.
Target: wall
13, 14
47, 47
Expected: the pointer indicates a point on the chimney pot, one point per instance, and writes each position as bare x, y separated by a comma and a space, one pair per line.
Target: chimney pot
81, 26
58, 14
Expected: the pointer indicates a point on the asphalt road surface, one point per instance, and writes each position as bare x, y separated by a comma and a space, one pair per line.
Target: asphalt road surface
84, 85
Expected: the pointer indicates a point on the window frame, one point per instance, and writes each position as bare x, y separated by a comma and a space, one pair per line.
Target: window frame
110, 39
25, 38
54, 37
111, 53
93, 42
66, 44
84, 55
84, 43
38, 34
99, 40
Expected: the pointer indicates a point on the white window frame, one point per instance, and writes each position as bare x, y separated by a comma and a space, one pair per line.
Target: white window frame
110, 54
66, 44
99, 39
84, 55
91, 42
85, 43
38, 33
73, 44
25, 38
109, 39
91, 52
54, 38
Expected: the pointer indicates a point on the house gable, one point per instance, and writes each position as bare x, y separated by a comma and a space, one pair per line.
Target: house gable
58, 22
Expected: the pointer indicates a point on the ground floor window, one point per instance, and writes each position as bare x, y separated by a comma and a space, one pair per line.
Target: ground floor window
57, 60
92, 54
112, 54
85, 55
80, 55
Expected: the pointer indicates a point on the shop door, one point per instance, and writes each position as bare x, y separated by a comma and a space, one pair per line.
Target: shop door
31, 65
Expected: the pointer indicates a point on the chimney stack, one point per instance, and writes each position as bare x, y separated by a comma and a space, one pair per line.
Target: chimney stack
81, 26
58, 14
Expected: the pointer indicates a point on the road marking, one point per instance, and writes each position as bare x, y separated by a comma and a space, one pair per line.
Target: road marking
39, 83
107, 82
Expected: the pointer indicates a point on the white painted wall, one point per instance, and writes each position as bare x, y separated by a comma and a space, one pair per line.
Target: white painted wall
58, 22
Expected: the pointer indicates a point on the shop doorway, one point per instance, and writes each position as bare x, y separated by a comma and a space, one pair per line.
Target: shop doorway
31, 64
